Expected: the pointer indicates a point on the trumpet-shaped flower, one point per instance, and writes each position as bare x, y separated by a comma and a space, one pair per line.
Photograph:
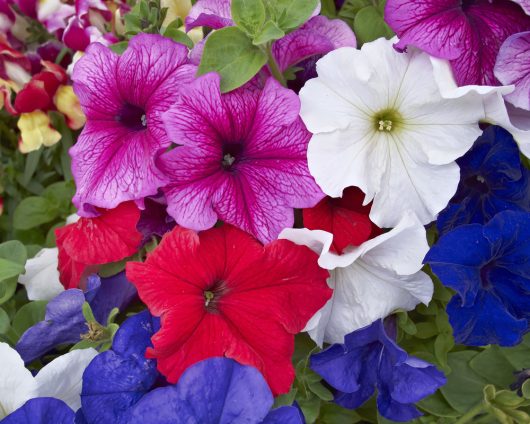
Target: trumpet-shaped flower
468, 33
488, 267
369, 281
381, 123
242, 158
222, 293
60, 379
122, 98
493, 180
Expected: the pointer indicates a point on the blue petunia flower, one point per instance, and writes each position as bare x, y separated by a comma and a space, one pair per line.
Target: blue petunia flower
369, 358
492, 180
123, 387
64, 321
489, 267
43, 410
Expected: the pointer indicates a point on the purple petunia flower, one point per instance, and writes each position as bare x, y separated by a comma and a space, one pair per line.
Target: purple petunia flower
123, 96
122, 386
488, 267
369, 358
243, 158
300, 48
42, 410
513, 67
492, 180
64, 321
468, 33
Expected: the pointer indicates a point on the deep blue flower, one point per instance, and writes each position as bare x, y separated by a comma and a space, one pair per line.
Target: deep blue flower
489, 267
64, 321
369, 358
123, 387
41, 411
492, 180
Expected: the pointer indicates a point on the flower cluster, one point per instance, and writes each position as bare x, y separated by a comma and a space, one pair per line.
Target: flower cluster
273, 225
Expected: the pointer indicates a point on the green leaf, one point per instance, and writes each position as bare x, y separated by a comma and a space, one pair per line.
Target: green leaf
87, 313
370, 25
28, 315
290, 14
463, 389
7, 289
32, 162
34, 211
328, 8
9, 269
4, 321
321, 391
231, 53
120, 47
269, 32
493, 366
525, 389
60, 195
249, 15
519, 356
310, 407
285, 399
437, 405
179, 36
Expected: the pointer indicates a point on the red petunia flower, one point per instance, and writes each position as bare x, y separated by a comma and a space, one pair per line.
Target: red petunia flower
222, 293
89, 242
346, 218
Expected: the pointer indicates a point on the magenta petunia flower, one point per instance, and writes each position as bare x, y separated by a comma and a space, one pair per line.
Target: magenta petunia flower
513, 67
242, 159
469, 33
123, 96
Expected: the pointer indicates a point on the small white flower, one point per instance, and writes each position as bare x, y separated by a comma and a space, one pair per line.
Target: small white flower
41, 278
381, 123
369, 281
60, 379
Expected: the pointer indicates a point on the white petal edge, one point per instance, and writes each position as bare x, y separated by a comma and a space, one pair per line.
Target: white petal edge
41, 278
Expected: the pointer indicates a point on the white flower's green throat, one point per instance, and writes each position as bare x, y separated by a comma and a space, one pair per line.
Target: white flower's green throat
387, 120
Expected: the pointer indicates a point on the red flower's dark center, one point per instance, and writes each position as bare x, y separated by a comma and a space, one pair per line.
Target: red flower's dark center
232, 152
133, 117
213, 295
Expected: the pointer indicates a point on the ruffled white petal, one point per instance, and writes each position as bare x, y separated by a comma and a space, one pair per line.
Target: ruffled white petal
17, 385
41, 278
62, 378
370, 281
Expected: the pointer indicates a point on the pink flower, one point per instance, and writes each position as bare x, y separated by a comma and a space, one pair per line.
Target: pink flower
122, 97
243, 158
468, 33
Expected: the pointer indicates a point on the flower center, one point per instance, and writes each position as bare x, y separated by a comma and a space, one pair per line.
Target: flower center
231, 153
485, 279
132, 117
387, 120
466, 4
212, 295
477, 183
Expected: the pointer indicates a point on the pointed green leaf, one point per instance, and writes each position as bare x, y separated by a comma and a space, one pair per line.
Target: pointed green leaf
249, 15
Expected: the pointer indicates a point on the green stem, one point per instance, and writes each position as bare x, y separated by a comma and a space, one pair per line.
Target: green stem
61, 55
472, 413
273, 66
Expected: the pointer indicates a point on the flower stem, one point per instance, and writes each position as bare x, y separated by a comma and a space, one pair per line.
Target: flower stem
273, 67
471, 414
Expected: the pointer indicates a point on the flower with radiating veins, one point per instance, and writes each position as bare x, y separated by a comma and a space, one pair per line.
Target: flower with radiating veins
381, 122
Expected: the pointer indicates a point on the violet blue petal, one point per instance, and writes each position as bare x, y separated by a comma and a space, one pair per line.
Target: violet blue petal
371, 359
44, 410
513, 67
154, 219
213, 391
63, 323
284, 415
117, 379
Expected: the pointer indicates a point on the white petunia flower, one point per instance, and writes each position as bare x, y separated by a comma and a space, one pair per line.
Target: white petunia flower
41, 278
382, 123
60, 379
369, 281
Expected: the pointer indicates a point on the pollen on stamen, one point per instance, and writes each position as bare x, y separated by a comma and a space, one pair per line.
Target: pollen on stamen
228, 160
144, 120
385, 125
